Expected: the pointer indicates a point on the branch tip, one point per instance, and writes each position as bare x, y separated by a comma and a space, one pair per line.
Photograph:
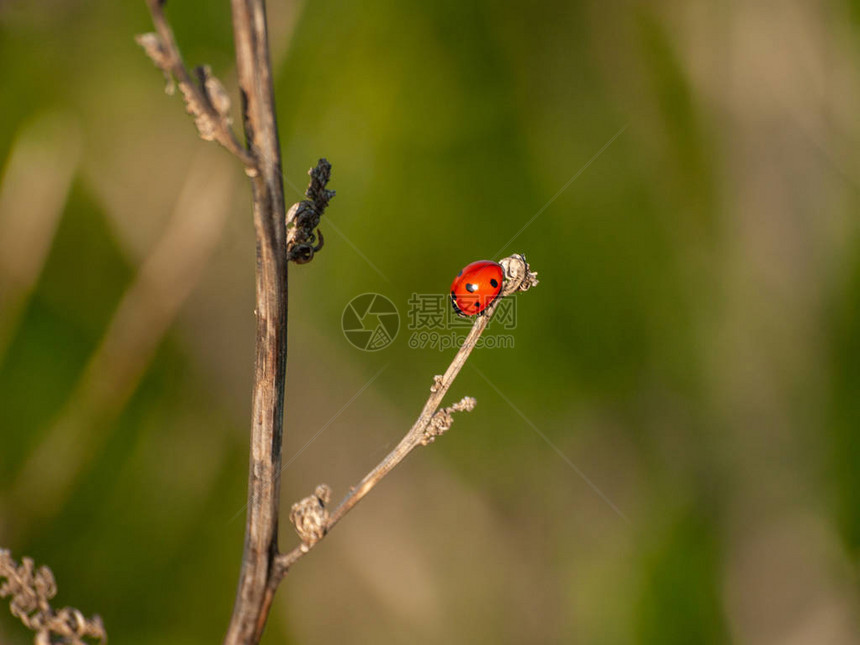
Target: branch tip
518, 274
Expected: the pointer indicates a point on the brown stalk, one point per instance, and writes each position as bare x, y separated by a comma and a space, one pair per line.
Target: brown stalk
254, 70
209, 104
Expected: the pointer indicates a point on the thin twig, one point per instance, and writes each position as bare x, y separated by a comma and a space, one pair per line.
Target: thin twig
207, 102
310, 517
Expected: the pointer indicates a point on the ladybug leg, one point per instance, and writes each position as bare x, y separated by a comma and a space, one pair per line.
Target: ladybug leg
457, 309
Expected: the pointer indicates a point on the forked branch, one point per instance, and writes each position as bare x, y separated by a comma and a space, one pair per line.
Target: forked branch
282, 238
209, 104
206, 100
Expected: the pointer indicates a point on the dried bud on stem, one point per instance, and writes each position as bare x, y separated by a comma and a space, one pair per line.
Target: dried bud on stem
310, 517
518, 275
303, 218
443, 419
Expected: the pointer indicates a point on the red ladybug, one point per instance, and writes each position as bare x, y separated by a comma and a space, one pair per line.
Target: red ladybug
476, 287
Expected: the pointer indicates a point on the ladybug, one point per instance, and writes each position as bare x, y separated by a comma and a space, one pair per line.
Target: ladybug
476, 287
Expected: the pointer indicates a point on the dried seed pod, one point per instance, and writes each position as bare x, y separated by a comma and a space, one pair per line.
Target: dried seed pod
310, 517
518, 276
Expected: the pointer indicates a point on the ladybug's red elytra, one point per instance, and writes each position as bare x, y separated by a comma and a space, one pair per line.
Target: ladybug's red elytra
476, 287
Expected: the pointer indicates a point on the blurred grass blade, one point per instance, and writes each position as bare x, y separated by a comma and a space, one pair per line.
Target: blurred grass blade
33, 193
143, 317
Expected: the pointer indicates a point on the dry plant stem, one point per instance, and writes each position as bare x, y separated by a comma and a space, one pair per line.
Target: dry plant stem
410, 441
261, 534
172, 64
209, 104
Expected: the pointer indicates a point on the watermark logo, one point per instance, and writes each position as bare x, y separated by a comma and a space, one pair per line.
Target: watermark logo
370, 322
434, 323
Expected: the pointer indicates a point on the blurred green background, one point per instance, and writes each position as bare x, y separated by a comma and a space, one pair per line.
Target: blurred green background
670, 453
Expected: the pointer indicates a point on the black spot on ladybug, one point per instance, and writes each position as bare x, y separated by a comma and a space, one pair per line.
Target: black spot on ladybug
494, 283
459, 274
471, 287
